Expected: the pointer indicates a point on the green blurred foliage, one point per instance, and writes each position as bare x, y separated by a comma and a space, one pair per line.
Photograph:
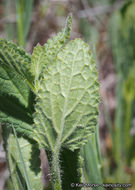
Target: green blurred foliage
9, 27
18, 13
122, 36
89, 31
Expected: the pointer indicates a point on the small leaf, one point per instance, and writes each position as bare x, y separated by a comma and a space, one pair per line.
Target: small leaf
44, 55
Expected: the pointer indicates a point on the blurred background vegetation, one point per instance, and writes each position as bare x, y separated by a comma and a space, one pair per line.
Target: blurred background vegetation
108, 26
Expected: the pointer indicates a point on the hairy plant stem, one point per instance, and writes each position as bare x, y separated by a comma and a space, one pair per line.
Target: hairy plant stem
55, 168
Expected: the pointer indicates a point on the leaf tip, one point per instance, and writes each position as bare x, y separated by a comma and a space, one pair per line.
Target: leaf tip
68, 25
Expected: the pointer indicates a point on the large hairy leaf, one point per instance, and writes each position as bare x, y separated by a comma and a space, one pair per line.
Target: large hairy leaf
67, 100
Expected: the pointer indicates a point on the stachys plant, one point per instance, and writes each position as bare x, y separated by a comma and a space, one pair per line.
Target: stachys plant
60, 80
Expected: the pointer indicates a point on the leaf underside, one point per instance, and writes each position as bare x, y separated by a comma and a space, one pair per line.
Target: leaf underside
67, 99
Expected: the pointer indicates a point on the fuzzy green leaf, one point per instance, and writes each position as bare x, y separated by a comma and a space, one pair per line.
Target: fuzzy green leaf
15, 58
67, 99
14, 101
44, 55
